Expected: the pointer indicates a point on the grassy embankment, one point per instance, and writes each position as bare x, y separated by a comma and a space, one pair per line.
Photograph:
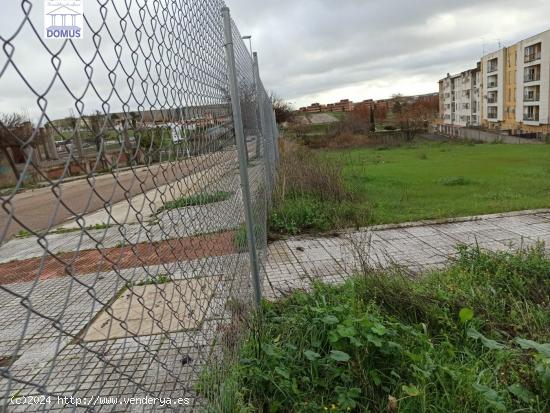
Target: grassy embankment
466, 339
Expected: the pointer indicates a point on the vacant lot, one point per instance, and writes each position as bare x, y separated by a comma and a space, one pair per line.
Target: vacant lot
439, 180
426, 180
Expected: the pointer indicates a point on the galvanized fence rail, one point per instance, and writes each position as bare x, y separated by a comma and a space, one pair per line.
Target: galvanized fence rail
136, 170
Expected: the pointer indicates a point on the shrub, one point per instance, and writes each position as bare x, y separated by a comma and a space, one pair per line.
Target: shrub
465, 339
300, 214
310, 195
302, 171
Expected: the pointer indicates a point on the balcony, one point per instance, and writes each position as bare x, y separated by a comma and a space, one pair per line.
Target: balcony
531, 74
531, 97
532, 52
492, 114
531, 113
531, 77
531, 57
531, 117
492, 99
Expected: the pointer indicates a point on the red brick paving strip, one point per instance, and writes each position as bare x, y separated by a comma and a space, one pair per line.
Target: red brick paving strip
110, 259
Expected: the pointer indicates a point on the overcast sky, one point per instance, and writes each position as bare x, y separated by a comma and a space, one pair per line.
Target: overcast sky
327, 50
310, 50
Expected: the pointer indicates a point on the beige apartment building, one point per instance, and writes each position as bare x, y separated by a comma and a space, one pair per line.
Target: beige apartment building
514, 87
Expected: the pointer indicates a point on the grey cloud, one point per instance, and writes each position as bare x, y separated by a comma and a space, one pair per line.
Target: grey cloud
307, 48
311, 46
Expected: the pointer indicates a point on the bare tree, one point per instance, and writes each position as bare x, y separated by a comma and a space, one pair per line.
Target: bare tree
414, 118
11, 126
74, 125
283, 109
96, 128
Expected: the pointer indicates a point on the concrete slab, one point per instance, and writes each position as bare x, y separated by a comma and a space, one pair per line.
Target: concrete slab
154, 309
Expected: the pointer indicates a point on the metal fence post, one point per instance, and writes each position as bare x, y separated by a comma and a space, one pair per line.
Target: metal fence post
275, 137
257, 83
264, 134
242, 153
271, 134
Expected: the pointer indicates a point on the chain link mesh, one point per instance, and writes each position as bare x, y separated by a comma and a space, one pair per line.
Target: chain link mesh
124, 269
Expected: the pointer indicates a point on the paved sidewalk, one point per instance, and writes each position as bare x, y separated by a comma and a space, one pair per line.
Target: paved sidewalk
50, 352
296, 262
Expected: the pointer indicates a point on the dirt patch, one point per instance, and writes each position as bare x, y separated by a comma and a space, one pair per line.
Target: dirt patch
8, 361
114, 259
348, 140
322, 118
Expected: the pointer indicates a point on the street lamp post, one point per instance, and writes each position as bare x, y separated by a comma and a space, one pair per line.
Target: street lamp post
249, 38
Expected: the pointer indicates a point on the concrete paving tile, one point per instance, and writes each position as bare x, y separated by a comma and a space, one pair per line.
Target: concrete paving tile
143, 310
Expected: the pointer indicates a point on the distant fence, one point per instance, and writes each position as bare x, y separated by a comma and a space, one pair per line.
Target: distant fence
151, 146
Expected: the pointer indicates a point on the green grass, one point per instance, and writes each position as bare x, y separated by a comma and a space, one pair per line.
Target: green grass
196, 200
466, 339
155, 280
441, 180
308, 213
338, 115
24, 234
241, 239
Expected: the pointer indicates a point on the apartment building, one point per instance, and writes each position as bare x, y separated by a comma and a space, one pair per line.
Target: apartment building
460, 100
533, 83
513, 85
345, 105
493, 81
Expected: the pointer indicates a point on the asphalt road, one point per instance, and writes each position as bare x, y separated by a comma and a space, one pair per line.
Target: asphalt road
48, 207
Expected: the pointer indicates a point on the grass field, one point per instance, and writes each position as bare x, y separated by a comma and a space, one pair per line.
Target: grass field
439, 180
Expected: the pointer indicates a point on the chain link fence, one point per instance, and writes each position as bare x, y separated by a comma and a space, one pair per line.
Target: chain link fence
136, 167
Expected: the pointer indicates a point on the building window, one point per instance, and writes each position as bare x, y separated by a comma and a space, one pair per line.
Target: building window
492, 81
532, 52
531, 113
532, 73
492, 97
531, 93
492, 65
492, 112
